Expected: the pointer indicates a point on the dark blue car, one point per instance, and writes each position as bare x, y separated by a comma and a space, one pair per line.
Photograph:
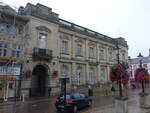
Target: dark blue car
74, 102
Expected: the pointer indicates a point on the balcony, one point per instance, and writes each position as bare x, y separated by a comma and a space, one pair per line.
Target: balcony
42, 54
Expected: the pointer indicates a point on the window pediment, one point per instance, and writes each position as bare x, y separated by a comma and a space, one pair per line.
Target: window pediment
91, 44
43, 28
79, 41
64, 36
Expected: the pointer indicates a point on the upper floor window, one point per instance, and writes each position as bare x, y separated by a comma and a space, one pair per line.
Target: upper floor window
64, 48
110, 56
79, 50
101, 54
16, 50
91, 52
145, 65
11, 29
42, 41
123, 57
3, 49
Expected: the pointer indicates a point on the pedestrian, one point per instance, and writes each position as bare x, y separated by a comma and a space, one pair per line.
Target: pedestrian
49, 91
113, 90
90, 91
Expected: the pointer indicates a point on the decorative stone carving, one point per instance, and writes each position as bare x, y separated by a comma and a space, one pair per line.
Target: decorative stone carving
92, 44
78, 40
43, 28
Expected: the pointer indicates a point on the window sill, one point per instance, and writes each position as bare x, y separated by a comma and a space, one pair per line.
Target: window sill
79, 55
65, 53
92, 58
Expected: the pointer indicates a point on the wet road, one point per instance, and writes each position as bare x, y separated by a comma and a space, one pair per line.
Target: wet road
48, 105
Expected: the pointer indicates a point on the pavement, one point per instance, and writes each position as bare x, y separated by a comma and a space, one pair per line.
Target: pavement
132, 104
101, 104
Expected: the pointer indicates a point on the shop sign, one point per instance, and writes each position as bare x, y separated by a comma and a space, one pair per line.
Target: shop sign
9, 70
7, 78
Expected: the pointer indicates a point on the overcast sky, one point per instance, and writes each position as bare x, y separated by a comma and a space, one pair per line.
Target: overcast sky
129, 19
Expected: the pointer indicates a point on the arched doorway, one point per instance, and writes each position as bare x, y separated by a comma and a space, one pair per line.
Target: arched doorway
39, 82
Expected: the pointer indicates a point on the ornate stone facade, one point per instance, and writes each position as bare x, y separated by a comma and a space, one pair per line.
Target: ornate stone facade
58, 48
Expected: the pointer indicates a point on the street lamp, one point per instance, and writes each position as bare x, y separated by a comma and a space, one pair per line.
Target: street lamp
118, 61
140, 61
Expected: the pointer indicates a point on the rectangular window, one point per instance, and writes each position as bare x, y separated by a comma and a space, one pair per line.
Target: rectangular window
101, 55
3, 49
110, 56
91, 76
78, 50
64, 48
123, 57
15, 50
91, 52
145, 65
42, 41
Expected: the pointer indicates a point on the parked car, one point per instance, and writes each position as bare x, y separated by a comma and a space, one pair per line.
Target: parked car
74, 102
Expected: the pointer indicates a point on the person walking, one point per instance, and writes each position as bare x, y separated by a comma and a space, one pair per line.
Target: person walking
90, 91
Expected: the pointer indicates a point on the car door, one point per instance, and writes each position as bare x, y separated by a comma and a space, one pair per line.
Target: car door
84, 100
77, 100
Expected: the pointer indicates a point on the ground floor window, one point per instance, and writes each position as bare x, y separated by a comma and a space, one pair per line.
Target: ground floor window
79, 75
102, 76
91, 76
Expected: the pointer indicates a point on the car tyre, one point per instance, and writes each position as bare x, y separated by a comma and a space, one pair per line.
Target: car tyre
89, 103
75, 108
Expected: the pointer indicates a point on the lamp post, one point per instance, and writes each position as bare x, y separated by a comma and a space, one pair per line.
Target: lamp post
118, 61
140, 61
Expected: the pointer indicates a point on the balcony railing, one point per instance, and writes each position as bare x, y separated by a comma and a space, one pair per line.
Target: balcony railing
42, 54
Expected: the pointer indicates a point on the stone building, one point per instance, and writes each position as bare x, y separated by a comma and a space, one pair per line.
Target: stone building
57, 49
134, 63
12, 46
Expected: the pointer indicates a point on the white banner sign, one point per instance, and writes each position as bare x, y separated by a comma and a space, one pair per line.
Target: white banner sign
6, 70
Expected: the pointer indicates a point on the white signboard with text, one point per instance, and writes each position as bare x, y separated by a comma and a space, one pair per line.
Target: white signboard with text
6, 70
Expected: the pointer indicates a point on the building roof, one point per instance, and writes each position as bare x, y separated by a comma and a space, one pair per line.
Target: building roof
137, 60
45, 13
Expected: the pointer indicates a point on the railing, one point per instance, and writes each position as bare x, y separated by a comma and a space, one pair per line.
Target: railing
42, 54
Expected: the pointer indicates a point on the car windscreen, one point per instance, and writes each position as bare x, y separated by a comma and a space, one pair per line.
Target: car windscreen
67, 97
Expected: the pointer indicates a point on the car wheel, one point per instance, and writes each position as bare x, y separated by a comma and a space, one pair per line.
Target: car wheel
75, 109
89, 103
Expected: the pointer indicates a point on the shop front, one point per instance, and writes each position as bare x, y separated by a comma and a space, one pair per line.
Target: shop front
9, 78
